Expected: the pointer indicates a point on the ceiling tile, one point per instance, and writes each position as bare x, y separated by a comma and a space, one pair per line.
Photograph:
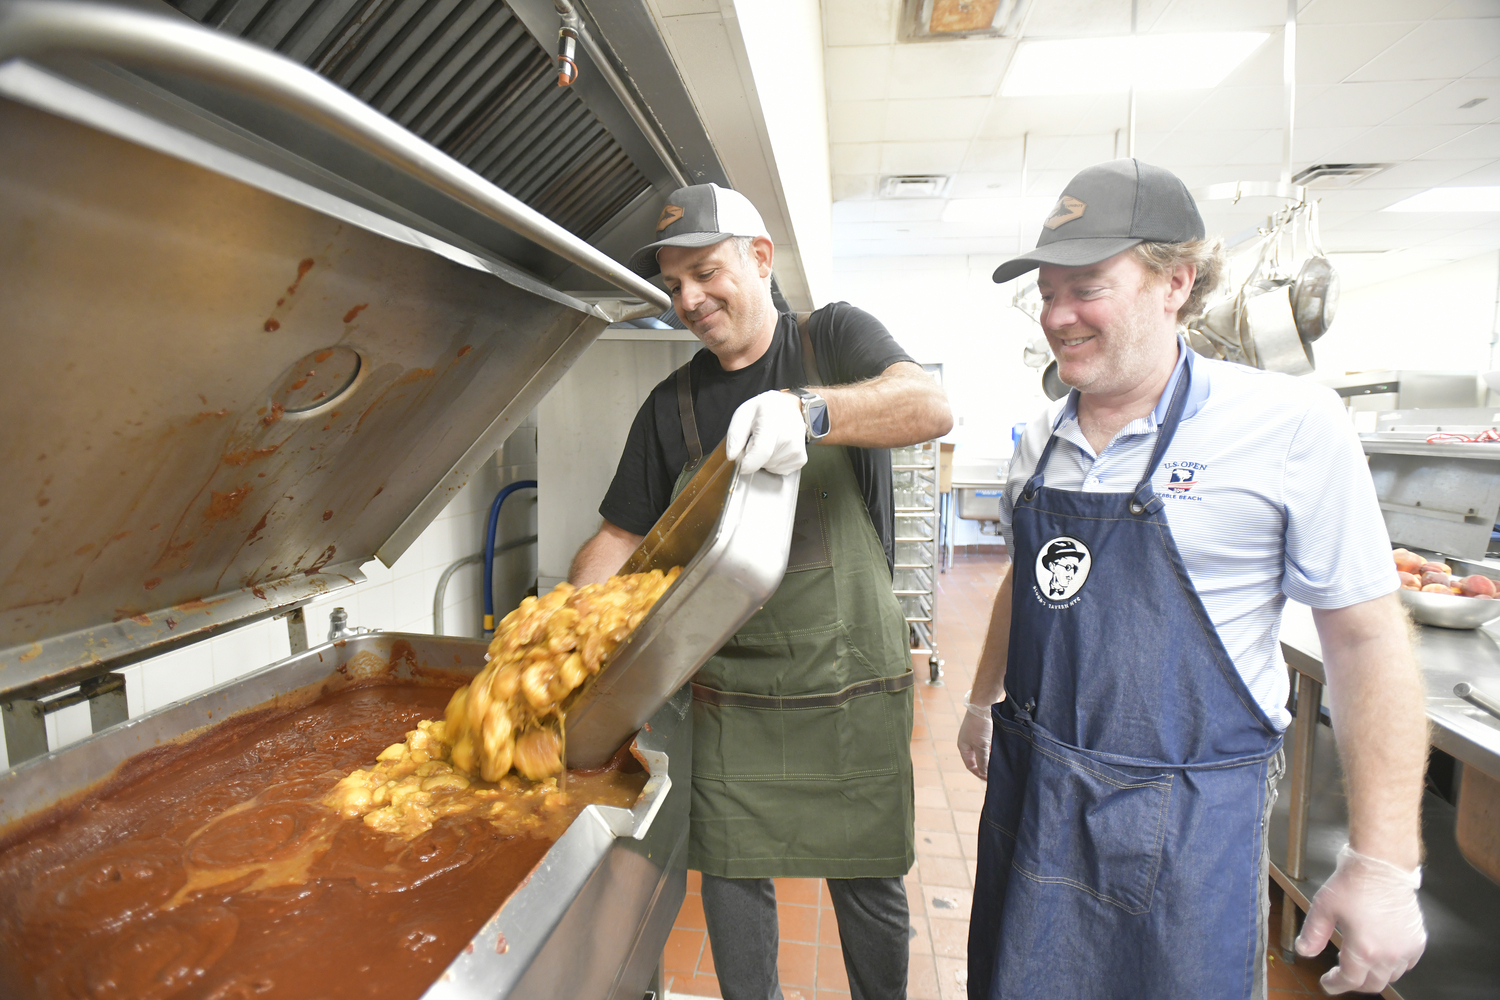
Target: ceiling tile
854, 157
1195, 15
1069, 153
1012, 116
856, 121
1445, 106
857, 72
1327, 53
1468, 8
1191, 149
1347, 104
1077, 18
853, 211
909, 209
1047, 185
859, 22
985, 184
1245, 107
1361, 198
1437, 50
922, 157
1155, 110
1487, 174
1316, 145
937, 118
1393, 143
1261, 68
1480, 142
1355, 11
854, 186
1422, 174
994, 154
949, 69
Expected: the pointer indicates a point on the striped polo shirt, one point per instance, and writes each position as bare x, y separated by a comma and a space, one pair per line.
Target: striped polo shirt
1267, 493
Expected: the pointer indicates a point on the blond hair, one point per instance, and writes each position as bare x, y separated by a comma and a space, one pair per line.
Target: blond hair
1161, 259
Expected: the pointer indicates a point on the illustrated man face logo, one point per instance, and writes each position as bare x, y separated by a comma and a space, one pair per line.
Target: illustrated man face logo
1062, 566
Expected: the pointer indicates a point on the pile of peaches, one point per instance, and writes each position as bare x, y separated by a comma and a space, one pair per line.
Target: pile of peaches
1418, 573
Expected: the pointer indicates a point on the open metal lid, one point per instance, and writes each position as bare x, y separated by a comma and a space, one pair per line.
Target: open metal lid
228, 388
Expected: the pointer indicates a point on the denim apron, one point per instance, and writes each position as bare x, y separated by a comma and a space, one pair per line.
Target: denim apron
802, 722
1121, 839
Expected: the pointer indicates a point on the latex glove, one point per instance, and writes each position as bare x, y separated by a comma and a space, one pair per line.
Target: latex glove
768, 432
974, 736
1374, 904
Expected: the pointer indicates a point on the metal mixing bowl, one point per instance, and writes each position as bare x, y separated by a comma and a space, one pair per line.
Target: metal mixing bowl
1449, 610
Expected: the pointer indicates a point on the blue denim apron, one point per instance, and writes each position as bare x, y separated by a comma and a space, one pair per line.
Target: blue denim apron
1120, 844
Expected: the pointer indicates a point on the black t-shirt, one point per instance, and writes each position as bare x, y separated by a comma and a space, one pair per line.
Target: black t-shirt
850, 345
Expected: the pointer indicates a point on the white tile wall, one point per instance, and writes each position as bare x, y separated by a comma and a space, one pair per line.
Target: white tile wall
394, 599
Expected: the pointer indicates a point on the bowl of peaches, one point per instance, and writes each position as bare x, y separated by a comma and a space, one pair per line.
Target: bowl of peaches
1435, 596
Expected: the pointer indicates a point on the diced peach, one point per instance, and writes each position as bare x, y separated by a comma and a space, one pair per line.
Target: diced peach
1436, 588
1408, 581
1457, 591
1476, 585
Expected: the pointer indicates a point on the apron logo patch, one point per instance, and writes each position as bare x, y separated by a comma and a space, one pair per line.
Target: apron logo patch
1062, 566
1182, 477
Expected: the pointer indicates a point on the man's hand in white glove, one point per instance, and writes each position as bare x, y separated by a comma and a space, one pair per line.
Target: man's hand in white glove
768, 432
1374, 905
974, 735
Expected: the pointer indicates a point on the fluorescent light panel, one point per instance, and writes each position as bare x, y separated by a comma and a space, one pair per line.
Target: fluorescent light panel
1196, 61
1452, 199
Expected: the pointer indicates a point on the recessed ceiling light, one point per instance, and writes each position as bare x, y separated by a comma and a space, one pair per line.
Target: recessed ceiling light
1453, 199
1196, 61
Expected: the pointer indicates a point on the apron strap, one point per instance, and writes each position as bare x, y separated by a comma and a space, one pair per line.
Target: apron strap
809, 359
1145, 501
737, 699
685, 411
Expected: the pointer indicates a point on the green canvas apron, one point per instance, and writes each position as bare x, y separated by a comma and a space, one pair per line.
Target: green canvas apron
802, 722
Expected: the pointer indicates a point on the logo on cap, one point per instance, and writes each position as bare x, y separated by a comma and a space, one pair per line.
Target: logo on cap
669, 215
1068, 208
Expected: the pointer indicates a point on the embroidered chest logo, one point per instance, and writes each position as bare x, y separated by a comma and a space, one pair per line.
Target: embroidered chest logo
1062, 566
1182, 477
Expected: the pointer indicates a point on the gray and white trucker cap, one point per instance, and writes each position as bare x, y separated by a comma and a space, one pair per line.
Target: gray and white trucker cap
1107, 209
698, 216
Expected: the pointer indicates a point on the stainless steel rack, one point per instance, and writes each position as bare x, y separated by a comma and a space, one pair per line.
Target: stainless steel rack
914, 477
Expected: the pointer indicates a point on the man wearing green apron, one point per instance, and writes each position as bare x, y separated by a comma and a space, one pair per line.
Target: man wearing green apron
802, 721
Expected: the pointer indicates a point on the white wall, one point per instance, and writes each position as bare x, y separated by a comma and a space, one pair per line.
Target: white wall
398, 599
1442, 318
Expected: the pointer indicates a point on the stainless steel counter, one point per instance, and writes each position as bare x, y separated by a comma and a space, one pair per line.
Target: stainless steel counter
1447, 656
1310, 821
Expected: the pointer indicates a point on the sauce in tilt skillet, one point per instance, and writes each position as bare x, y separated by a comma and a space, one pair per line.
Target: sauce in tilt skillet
213, 870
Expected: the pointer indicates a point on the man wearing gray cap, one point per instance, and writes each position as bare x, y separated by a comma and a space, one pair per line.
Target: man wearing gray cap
802, 721
1127, 714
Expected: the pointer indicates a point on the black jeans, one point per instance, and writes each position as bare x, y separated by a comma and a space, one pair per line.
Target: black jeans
743, 932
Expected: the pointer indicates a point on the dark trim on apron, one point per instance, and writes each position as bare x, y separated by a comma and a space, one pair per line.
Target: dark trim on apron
735, 699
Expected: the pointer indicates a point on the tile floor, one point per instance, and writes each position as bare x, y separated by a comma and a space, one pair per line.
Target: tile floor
939, 887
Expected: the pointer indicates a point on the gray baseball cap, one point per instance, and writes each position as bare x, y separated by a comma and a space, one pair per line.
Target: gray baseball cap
1107, 209
698, 216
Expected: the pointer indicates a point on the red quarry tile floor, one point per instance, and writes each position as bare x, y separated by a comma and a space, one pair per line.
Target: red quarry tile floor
940, 886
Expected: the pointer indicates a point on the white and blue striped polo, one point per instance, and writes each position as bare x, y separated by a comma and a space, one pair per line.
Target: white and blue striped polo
1267, 494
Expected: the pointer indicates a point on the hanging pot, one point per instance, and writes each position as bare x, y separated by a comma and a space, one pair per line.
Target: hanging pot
1267, 321
1315, 298
1052, 383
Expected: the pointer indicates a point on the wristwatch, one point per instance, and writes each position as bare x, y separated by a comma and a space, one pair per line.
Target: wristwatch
814, 413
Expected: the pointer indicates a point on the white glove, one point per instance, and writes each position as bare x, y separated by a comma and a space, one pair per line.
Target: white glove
768, 432
1374, 904
974, 735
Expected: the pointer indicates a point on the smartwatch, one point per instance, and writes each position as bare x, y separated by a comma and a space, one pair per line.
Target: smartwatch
814, 413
